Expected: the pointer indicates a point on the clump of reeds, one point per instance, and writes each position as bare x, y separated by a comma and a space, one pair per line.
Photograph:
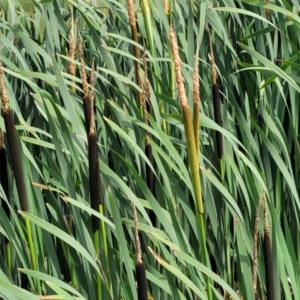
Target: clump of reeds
141, 279
268, 254
136, 52
192, 153
255, 253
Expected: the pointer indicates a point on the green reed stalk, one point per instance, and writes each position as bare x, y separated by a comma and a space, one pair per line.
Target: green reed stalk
192, 156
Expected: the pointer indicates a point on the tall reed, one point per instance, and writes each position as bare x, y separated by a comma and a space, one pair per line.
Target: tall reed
192, 155
95, 186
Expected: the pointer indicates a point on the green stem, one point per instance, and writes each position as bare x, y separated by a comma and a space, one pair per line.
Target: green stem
96, 246
32, 254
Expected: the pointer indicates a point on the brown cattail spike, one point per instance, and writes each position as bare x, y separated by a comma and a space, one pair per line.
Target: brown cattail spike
15, 154
216, 101
3, 173
87, 109
268, 255
92, 97
94, 178
255, 253
141, 281
140, 270
218, 119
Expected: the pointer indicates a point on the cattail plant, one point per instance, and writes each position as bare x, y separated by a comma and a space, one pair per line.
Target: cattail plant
192, 155
96, 197
255, 253
219, 142
148, 148
136, 52
17, 166
268, 254
140, 270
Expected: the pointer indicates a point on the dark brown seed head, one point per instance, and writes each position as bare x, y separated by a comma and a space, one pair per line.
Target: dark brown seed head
141, 280
15, 154
4, 180
87, 109
94, 178
218, 119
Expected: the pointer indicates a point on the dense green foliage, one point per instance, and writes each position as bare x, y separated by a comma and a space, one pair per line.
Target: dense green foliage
52, 249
